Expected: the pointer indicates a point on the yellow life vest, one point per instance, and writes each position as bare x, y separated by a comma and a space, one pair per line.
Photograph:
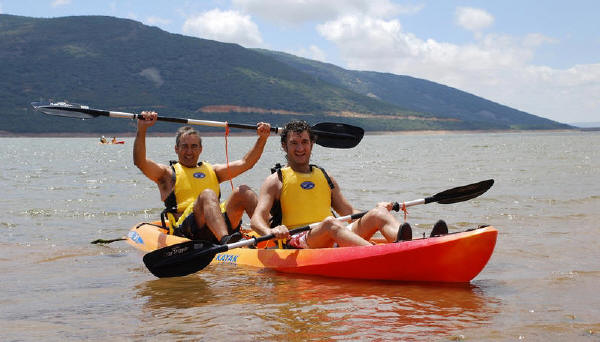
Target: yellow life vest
189, 183
305, 197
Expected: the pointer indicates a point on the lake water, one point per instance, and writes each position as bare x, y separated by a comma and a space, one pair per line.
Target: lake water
58, 194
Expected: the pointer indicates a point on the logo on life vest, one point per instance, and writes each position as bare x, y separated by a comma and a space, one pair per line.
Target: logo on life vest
307, 185
199, 175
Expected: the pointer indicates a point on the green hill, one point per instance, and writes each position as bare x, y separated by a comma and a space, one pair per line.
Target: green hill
121, 64
419, 95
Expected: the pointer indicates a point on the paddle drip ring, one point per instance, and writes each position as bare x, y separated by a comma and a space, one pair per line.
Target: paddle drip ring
227, 155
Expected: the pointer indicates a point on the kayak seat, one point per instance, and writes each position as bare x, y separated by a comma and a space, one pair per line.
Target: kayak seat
404, 233
439, 228
231, 238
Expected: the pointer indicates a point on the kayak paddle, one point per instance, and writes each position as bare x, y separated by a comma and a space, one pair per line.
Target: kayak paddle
329, 134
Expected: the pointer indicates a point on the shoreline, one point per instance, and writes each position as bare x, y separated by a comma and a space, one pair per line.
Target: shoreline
444, 132
5, 134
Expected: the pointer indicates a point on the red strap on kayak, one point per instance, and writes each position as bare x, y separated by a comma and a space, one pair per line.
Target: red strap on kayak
405, 211
227, 155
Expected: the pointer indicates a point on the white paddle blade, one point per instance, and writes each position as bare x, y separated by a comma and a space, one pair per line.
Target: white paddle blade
69, 110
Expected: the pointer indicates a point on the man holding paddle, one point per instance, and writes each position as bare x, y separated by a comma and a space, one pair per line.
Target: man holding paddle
305, 194
190, 189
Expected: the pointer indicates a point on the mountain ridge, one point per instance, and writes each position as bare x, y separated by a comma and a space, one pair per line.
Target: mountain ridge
413, 93
121, 64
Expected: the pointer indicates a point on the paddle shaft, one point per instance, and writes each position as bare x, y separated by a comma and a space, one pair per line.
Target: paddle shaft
256, 240
414, 202
419, 201
125, 115
210, 123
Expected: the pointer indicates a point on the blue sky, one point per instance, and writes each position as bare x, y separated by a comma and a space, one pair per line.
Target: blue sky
542, 57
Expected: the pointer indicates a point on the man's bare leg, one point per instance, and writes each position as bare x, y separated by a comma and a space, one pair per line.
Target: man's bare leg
333, 231
208, 212
377, 219
241, 200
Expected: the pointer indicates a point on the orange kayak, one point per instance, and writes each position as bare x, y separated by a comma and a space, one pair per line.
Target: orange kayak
455, 257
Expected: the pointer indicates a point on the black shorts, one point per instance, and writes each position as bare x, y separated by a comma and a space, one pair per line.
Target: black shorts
189, 229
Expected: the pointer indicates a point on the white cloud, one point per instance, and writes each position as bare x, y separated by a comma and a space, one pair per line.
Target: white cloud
157, 21
313, 52
132, 16
496, 67
353, 33
473, 19
300, 11
224, 26
534, 40
57, 3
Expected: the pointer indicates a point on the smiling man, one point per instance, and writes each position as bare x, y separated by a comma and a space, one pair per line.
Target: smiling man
190, 190
300, 194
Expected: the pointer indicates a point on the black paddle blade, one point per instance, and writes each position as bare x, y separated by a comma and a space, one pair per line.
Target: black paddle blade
461, 193
103, 241
69, 110
182, 259
337, 135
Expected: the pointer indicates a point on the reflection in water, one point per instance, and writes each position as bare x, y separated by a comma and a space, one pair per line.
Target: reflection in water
324, 308
268, 305
176, 293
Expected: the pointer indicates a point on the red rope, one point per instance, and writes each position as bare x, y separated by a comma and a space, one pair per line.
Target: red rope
227, 155
405, 211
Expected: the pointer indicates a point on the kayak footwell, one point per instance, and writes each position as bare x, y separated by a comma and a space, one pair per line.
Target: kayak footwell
455, 257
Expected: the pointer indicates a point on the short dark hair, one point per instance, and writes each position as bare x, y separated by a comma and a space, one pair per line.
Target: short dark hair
297, 126
186, 130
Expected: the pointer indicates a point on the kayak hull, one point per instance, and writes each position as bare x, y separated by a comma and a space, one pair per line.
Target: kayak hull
456, 257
